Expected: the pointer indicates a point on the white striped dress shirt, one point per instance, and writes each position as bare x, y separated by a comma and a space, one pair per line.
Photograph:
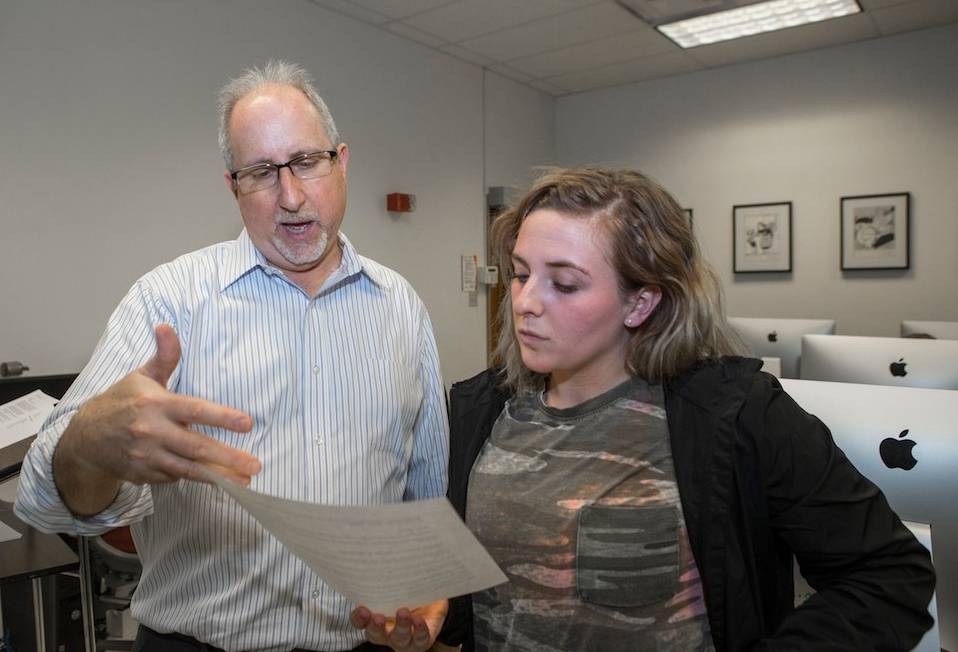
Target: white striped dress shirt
348, 406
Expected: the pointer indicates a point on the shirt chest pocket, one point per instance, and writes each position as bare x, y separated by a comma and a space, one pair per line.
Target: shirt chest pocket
627, 556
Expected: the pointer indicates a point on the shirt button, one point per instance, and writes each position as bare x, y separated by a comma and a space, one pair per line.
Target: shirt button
315, 594
315, 368
318, 439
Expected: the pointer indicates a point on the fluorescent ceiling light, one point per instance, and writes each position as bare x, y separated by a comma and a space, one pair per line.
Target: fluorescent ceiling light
755, 19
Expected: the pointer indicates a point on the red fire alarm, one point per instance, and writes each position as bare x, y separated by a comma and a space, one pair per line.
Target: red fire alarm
398, 202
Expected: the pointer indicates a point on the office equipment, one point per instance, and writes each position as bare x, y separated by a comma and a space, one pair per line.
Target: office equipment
780, 338
894, 361
115, 568
34, 568
940, 330
12, 368
916, 431
106, 575
36, 557
55, 385
772, 366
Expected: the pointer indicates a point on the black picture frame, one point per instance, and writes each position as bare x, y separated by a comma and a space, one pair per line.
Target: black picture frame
875, 231
762, 237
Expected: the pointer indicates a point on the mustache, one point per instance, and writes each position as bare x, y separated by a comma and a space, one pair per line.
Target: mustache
289, 217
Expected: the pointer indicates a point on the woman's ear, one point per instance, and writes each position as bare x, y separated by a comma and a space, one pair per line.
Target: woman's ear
643, 303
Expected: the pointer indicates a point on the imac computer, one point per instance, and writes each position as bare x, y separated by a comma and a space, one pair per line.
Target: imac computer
780, 338
939, 330
14, 387
895, 361
905, 440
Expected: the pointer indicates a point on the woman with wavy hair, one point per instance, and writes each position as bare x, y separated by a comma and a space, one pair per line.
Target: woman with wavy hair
642, 485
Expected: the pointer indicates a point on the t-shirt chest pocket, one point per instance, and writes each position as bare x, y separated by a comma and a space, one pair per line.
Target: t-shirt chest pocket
627, 556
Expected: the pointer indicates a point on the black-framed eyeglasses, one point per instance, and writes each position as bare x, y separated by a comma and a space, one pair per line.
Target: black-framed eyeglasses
262, 176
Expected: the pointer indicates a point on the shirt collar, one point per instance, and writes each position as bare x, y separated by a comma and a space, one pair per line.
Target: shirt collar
243, 257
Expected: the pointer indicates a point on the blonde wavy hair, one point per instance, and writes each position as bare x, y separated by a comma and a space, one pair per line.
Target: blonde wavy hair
651, 244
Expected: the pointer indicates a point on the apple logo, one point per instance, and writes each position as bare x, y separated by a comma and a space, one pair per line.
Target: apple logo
773, 336
898, 368
897, 453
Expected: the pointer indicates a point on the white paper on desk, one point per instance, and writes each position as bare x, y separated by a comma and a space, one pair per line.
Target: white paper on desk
22, 417
381, 556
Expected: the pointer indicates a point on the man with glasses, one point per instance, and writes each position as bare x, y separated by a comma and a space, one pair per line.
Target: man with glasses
284, 360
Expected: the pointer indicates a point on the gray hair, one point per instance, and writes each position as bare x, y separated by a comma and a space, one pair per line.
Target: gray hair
274, 72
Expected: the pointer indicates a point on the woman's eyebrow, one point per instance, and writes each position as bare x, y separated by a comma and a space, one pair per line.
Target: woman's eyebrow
555, 264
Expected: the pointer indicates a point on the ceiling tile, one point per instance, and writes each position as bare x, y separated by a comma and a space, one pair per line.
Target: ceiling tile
657, 12
467, 19
918, 14
554, 32
568, 46
398, 9
621, 47
402, 29
348, 8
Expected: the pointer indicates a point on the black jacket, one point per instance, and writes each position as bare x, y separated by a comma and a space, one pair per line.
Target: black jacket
760, 480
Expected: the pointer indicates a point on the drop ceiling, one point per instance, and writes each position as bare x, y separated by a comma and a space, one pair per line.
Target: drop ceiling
572, 46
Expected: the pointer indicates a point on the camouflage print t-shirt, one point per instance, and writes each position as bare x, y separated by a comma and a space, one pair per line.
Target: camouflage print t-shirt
580, 509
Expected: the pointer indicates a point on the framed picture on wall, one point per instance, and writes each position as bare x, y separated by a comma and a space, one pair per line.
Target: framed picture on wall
762, 237
875, 231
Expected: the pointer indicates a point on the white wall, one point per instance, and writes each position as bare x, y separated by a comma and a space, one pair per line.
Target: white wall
520, 134
109, 163
875, 117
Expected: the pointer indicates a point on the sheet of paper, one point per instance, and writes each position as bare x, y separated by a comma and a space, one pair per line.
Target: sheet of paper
22, 417
380, 556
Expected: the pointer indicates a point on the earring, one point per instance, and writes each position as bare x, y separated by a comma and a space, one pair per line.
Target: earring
628, 322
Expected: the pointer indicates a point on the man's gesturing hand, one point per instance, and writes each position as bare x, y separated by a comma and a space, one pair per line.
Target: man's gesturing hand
138, 431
